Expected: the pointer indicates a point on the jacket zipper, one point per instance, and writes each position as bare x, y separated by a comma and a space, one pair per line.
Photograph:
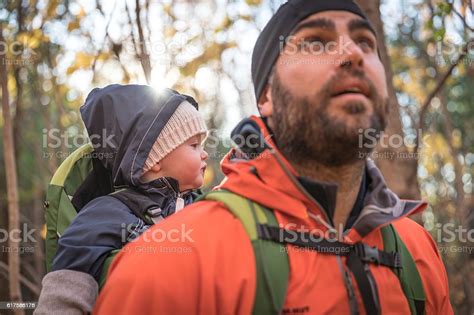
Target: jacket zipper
300, 187
179, 196
328, 224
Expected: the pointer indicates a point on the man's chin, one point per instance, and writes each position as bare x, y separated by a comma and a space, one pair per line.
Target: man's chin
353, 123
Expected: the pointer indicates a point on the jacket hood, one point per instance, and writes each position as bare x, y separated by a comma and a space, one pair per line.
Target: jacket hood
123, 122
258, 171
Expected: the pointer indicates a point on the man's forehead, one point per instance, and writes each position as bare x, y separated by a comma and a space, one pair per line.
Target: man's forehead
336, 17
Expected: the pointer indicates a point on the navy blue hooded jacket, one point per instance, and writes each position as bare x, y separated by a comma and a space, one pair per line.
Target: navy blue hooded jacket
123, 122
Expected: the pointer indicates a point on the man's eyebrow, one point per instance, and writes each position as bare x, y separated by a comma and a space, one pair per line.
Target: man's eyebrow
317, 23
357, 24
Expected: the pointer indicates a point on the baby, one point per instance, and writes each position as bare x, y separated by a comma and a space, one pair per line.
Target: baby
151, 145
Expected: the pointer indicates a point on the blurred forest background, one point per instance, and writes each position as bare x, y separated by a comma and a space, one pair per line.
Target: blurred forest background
52, 53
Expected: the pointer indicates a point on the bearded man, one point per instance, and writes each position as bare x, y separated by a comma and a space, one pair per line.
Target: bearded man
303, 222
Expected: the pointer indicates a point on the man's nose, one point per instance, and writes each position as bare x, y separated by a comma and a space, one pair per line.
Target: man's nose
352, 55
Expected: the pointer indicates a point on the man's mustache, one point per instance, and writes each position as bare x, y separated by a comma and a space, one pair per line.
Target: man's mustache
342, 75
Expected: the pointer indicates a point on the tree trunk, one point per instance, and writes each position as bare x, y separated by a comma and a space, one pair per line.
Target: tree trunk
18, 120
12, 186
401, 172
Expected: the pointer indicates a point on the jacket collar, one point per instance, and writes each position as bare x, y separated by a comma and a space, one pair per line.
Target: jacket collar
274, 183
164, 191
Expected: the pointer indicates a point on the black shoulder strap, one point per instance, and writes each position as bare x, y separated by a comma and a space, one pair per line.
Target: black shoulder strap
137, 202
97, 183
358, 257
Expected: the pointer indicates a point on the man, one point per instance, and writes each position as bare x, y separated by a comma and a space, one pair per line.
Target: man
319, 84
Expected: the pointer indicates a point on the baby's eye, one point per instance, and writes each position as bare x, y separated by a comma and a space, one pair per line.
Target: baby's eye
195, 145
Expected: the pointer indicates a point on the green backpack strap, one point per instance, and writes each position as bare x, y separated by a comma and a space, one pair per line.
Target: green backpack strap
59, 211
106, 266
272, 265
408, 275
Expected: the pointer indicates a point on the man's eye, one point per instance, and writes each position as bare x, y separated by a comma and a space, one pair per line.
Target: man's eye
366, 43
312, 44
314, 40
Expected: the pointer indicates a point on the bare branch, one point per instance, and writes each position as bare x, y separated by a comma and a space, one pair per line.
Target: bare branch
458, 169
27, 283
439, 86
132, 33
144, 56
463, 18
107, 36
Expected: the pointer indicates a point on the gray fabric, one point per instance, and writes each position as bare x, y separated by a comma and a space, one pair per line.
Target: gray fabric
67, 292
381, 205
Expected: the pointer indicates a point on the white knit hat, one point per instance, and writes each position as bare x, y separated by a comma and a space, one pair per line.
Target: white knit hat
185, 123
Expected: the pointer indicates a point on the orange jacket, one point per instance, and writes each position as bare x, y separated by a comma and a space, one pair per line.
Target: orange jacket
210, 268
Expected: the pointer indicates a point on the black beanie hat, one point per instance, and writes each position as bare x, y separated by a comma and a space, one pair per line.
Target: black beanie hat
267, 47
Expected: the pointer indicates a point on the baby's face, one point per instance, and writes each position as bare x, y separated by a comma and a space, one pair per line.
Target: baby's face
187, 164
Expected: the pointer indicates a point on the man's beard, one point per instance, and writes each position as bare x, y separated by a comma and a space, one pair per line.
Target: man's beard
305, 132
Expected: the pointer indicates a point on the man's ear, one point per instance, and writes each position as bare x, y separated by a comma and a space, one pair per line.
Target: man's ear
265, 103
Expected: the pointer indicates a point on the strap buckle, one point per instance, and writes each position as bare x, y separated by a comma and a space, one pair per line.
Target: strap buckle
398, 260
154, 212
263, 232
156, 215
367, 253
